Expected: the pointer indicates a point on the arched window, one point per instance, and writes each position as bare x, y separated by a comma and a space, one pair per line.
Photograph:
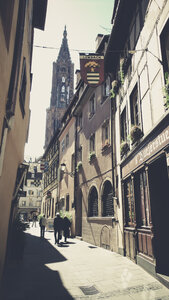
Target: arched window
93, 203
107, 200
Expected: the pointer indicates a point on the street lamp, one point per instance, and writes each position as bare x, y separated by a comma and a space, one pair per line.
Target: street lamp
63, 167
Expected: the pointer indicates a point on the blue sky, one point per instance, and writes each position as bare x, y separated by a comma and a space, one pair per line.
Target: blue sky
84, 19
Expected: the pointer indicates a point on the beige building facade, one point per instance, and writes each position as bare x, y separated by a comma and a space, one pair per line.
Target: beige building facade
17, 20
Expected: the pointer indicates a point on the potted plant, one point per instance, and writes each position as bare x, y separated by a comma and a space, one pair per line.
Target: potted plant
79, 166
135, 133
92, 155
166, 90
124, 148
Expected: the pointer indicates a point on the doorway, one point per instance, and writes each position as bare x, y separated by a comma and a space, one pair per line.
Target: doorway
159, 197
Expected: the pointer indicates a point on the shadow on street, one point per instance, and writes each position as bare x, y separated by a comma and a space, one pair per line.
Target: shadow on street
30, 279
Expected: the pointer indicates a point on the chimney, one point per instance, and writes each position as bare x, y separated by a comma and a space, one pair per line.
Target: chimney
98, 40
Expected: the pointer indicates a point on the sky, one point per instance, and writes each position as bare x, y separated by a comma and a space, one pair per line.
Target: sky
84, 19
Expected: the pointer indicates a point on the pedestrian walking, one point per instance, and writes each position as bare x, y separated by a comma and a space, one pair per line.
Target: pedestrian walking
34, 220
42, 224
66, 226
58, 226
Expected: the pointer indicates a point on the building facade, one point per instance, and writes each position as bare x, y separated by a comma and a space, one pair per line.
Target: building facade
140, 95
62, 89
30, 203
17, 21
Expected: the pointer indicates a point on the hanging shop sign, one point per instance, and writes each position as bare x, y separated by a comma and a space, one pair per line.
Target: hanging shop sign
92, 68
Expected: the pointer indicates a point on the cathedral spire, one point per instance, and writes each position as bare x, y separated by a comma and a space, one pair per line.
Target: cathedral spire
65, 33
64, 49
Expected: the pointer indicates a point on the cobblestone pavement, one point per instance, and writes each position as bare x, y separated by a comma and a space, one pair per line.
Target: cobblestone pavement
76, 270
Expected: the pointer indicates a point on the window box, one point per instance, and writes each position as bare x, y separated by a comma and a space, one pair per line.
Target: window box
92, 155
135, 133
106, 145
124, 148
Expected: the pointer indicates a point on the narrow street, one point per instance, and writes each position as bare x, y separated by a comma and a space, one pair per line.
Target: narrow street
76, 270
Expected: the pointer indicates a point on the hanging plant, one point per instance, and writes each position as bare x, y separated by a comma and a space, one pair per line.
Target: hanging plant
166, 90
92, 155
122, 70
135, 133
124, 148
114, 89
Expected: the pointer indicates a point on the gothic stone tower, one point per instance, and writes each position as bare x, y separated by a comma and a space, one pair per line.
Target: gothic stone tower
62, 89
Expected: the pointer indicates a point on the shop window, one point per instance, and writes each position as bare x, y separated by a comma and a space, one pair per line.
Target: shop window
92, 106
141, 190
93, 203
123, 125
92, 143
22, 93
129, 202
134, 107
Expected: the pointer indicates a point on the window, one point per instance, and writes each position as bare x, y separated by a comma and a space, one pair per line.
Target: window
141, 190
63, 79
67, 139
164, 38
79, 154
105, 133
63, 89
23, 203
134, 107
63, 145
79, 121
105, 89
30, 192
67, 202
92, 106
92, 143
107, 200
93, 203
22, 93
129, 202
123, 127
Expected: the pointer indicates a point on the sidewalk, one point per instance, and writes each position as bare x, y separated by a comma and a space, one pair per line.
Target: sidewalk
76, 270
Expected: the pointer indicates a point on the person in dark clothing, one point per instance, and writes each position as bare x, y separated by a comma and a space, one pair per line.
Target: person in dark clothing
58, 224
66, 226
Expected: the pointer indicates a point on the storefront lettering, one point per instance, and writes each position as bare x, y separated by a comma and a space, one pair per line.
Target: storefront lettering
152, 147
